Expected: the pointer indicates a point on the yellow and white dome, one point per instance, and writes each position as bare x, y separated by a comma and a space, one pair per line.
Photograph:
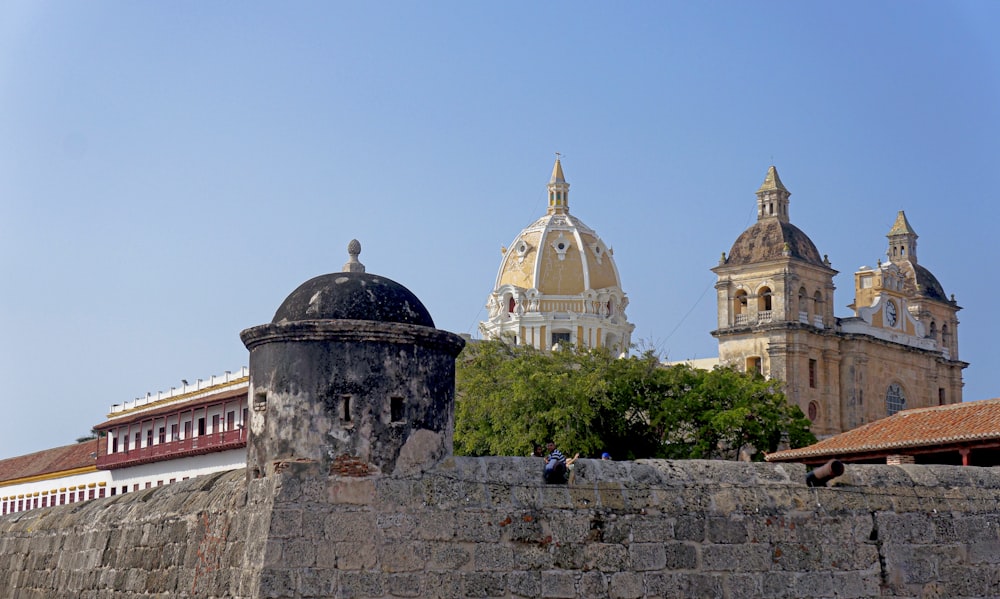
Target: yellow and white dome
558, 283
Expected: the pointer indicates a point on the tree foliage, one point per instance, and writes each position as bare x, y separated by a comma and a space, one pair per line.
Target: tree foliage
589, 401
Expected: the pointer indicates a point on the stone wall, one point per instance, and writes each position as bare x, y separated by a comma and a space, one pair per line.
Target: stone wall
490, 528
195, 538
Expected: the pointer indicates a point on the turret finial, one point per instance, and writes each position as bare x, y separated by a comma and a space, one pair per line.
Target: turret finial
352, 264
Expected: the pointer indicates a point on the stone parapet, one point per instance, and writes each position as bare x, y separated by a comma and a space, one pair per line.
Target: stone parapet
489, 527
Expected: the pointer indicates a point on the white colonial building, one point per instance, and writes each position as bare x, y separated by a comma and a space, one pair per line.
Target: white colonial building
158, 439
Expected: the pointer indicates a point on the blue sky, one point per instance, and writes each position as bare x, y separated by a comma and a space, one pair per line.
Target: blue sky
169, 172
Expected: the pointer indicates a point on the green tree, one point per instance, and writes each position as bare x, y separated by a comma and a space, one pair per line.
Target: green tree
512, 397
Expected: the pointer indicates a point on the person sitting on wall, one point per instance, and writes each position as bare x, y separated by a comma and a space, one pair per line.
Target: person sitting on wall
556, 465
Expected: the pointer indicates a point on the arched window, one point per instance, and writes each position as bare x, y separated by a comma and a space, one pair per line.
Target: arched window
740, 302
803, 304
933, 333
894, 399
764, 299
510, 304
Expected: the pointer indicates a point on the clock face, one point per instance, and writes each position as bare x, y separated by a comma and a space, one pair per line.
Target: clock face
890, 313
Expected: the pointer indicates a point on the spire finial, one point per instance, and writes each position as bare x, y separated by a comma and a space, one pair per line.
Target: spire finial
558, 189
352, 264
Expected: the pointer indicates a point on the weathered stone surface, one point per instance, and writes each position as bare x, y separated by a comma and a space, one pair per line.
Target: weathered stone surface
286, 536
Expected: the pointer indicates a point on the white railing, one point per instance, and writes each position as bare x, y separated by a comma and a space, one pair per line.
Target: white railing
804, 317
764, 316
185, 389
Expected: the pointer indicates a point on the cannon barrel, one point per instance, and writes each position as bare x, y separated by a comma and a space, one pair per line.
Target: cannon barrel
818, 477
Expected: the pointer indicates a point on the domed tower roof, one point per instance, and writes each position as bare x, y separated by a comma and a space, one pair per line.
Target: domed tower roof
902, 252
558, 276
353, 295
558, 254
773, 236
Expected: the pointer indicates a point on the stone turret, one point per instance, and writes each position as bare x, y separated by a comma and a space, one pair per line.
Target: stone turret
350, 375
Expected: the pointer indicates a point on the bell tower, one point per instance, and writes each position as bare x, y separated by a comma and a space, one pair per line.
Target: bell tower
775, 307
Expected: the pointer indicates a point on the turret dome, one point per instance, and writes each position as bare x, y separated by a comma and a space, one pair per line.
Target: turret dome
353, 295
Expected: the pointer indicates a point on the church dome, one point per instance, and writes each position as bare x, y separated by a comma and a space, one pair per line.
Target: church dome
773, 236
558, 255
903, 253
772, 239
559, 277
353, 295
927, 284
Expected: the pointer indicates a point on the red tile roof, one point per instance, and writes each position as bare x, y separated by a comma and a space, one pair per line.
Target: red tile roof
49, 461
951, 425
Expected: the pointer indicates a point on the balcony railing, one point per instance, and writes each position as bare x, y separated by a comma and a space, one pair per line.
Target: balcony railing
749, 319
170, 450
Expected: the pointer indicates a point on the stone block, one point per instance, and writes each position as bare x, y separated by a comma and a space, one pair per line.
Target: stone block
355, 556
680, 556
298, 553
626, 585
361, 584
777, 585
394, 492
568, 557
647, 556
593, 584
726, 530
558, 584
445, 493
277, 584
449, 556
343, 526
909, 528
965, 581
794, 557
577, 526
651, 528
477, 526
555, 497
351, 491
404, 585
442, 585
743, 586
745, 558
606, 557
522, 583
837, 555
532, 557
403, 556
492, 556
689, 528
984, 552
484, 584
611, 496
523, 527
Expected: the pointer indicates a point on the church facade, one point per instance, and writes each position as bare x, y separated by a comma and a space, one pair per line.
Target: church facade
775, 298
558, 283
